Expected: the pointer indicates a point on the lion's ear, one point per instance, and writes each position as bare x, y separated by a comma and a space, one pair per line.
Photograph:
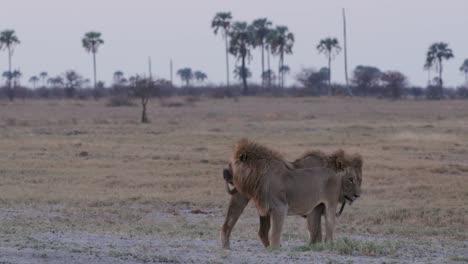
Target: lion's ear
337, 159
339, 164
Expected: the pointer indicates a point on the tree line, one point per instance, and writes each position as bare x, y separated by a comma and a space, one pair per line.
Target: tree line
241, 39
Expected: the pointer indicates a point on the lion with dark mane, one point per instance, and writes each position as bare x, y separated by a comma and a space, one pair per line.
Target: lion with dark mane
311, 187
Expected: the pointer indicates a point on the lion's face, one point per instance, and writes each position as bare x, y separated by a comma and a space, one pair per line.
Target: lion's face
352, 180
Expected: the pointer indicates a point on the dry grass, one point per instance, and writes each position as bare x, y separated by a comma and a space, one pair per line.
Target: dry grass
85, 166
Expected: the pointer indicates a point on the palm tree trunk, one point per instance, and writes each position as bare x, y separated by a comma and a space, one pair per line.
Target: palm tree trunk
11, 94
441, 82
144, 117
94, 64
244, 76
329, 74
263, 65
269, 67
227, 57
440, 73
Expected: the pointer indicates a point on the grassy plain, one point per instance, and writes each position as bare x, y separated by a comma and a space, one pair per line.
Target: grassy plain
81, 166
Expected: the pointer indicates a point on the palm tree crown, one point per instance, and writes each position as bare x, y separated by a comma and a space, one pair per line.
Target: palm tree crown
464, 69
91, 41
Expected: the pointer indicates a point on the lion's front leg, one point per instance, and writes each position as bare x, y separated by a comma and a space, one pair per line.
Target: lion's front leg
314, 225
277, 217
236, 206
330, 216
264, 229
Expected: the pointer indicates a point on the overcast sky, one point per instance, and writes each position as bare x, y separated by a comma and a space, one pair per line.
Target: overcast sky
389, 34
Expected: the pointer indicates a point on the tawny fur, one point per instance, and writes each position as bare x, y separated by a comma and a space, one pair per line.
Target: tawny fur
256, 170
252, 163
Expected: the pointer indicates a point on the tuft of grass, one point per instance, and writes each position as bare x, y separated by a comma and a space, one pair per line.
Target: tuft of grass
352, 247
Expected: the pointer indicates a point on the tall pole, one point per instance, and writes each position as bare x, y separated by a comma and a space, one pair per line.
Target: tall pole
150, 74
346, 54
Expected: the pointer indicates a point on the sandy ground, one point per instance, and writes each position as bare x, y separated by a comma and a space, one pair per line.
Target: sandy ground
84, 247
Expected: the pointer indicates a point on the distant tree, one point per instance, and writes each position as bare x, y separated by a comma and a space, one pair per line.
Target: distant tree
330, 47
43, 76
222, 20
73, 81
8, 41
268, 76
56, 81
143, 89
242, 73
200, 76
33, 80
91, 42
395, 82
270, 38
241, 42
314, 81
464, 69
366, 78
284, 70
186, 75
282, 43
438, 52
16, 76
261, 28
118, 77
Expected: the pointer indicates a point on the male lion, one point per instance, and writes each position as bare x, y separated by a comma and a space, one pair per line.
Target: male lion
278, 189
337, 161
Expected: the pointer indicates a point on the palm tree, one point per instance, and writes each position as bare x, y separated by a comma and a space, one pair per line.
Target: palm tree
8, 41
242, 73
118, 76
222, 20
200, 76
281, 44
16, 76
271, 36
438, 52
34, 79
43, 76
330, 47
261, 28
284, 70
186, 75
91, 42
55, 81
464, 69
240, 44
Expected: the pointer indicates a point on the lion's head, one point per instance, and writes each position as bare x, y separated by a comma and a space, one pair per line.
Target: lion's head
352, 177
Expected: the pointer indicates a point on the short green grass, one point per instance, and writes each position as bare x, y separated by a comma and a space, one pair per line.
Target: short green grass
353, 247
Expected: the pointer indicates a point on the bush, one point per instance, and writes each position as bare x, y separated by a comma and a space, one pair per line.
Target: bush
119, 101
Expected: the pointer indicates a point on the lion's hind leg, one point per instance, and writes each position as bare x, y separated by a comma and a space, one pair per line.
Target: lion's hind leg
314, 224
264, 229
236, 206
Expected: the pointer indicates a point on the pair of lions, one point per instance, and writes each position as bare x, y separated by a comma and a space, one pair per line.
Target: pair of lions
311, 186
